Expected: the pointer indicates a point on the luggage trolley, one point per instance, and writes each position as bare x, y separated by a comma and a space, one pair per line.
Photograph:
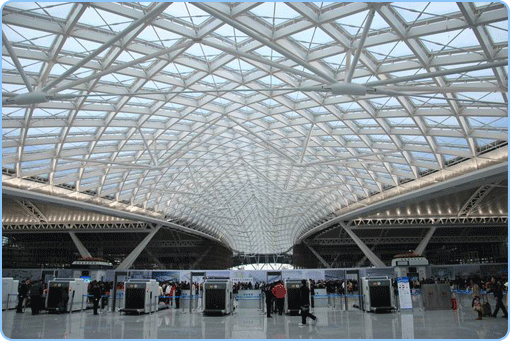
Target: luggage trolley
65, 294
218, 296
291, 305
141, 296
377, 294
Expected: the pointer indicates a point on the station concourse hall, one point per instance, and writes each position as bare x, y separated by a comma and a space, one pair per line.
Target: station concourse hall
231, 170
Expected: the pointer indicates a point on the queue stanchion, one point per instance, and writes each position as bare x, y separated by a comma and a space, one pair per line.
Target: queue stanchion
264, 307
84, 298
181, 299
110, 302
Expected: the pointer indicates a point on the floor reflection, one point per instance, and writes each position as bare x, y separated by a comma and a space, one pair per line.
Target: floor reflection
251, 324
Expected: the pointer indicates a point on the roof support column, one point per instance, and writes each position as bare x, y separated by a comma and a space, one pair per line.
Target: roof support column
362, 260
199, 259
84, 253
130, 259
317, 255
370, 255
423, 244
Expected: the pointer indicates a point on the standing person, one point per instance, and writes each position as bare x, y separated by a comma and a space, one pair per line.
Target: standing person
497, 289
22, 294
36, 292
160, 293
304, 303
95, 291
172, 293
177, 295
279, 292
167, 294
269, 299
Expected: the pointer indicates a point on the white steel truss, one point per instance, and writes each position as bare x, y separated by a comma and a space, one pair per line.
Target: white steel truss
252, 123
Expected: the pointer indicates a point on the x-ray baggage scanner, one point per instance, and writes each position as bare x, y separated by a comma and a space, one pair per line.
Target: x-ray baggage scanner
218, 296
292, 305
9, 292
377, 294
65, 294
141, 296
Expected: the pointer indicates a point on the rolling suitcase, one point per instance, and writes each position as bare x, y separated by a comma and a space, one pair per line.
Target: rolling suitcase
487, 311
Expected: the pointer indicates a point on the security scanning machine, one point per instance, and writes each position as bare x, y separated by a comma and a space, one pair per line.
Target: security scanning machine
65, 294
141, 296
218, 296
377, 294
9, 292
291, 305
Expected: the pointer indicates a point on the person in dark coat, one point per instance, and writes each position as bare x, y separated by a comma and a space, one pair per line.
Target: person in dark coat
304, 303
23, 289
497, 289
269, 299
36, 292
312, 292
178, 293
95, 291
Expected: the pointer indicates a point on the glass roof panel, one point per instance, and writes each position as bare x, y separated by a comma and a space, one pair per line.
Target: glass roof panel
498, 32
18, 34
252, 150
353, 24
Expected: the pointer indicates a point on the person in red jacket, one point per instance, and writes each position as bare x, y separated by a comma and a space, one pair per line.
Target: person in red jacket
279, 292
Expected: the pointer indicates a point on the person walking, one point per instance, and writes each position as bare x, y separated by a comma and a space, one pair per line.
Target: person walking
23, 289
304, 303
497, 289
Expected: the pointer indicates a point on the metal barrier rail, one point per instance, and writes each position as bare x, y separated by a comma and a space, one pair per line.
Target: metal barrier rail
248, 297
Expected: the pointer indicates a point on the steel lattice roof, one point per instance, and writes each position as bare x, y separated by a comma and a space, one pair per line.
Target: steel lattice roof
190, 111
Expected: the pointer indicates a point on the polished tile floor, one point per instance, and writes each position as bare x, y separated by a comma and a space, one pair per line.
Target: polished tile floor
250, 324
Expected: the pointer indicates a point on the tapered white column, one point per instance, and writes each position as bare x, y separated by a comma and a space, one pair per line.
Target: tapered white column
79, 245
130, 259
423, 244
366, 251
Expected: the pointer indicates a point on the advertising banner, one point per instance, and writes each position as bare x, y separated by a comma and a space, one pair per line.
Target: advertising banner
404, 293
164, 276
